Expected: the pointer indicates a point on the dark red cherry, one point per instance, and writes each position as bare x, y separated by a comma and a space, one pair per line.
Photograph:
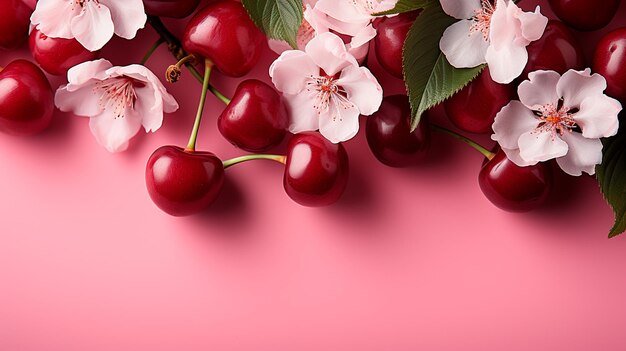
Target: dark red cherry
389, 40
514, 188
474, 108
389, 133
557, 50
57, 55
14, 22
170, 8
585, 15
609, 60
182, 183
224, 33
26, 99
316, 173
256, 118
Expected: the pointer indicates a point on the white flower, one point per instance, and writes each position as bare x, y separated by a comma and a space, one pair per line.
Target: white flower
560, 117
118, 100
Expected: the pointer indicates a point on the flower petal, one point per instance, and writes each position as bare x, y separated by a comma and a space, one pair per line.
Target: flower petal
339, 124
576, 86
114, 132
53, 17
345, 11
511, 122
539, 146
128, 16
463, 48
533, 23
514, 156
539, 90
362, 89
507, 62
81, 101
504, 25
290, 71
598, 116
93, 28
82, 73
460, 9
583, 156
304, 117
329, 53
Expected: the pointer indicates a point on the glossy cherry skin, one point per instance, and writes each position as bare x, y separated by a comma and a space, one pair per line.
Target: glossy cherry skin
557, 50
389, 135
183, 183
316, 173
585, 15
389, 40
256, 118
26, 99
14, 22
474, 108
609, 60
513, 188
170, 8
224, 33
57, 55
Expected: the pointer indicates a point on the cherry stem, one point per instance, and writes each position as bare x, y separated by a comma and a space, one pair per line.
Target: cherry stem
151, 51
208, 67
488, 154
233, 161
176, 49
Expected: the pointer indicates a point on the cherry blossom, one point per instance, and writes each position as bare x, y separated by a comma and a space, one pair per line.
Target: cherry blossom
493, 33
561, 117
325, 88
91, 22
117, 100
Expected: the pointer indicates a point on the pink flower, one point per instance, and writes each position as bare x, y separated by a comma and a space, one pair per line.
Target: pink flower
325, 88
91, 22
560, 117
118, 100
496, 34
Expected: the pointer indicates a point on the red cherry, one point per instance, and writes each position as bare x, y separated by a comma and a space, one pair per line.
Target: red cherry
389, 134
557, 50
389, 40
609, 60
182, 183
26, 99
170, 8
585, 15
14, 22
256, 118
224, 33
514, 188
474, 108
57, 55
316, 173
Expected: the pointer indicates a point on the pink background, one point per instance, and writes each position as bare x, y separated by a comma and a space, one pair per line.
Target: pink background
408, 259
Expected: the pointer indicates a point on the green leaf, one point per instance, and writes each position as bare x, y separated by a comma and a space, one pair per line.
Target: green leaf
406, 6
611, 175
429, 77
279, 19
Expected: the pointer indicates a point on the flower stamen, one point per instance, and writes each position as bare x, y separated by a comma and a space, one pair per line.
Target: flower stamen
482, 18
328, 95
557, 121
116, 93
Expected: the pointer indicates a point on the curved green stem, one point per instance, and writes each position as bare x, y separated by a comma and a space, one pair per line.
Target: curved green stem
488, 154
208, 66
233, 161
151, 51
176, 48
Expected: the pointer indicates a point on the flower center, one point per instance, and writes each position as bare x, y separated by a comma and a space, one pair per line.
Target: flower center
81, 3
555, 120
116, 93
329, 97
482, 18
